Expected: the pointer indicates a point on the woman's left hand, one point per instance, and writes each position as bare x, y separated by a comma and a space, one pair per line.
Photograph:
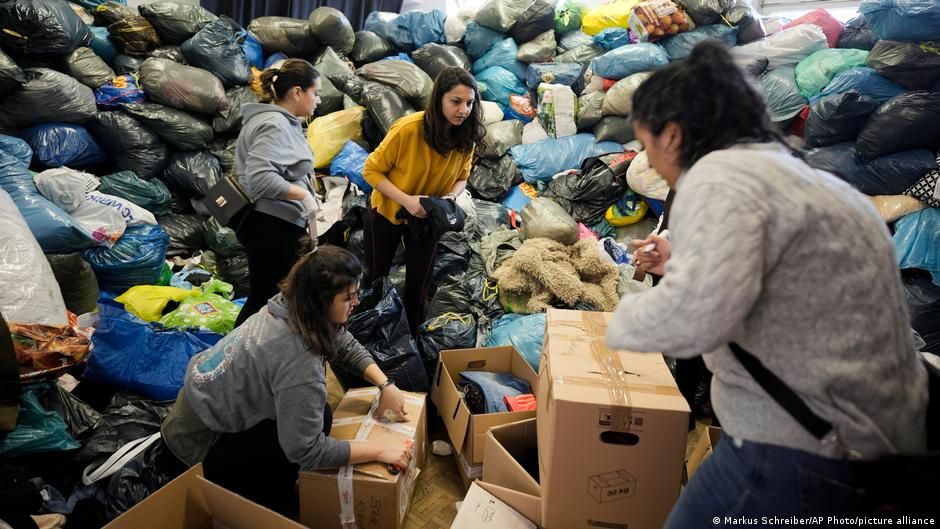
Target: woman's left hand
392, 399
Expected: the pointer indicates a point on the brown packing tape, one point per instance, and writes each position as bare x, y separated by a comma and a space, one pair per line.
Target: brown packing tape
620, 398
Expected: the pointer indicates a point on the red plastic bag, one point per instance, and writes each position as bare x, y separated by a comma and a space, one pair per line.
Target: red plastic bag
820, 17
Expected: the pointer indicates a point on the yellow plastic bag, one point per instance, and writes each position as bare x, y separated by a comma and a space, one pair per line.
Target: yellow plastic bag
613, 15
893, 207
147, 302
327, 134
616, 218
256, 82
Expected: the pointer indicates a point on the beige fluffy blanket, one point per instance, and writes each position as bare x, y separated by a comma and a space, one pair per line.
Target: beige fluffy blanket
551, 273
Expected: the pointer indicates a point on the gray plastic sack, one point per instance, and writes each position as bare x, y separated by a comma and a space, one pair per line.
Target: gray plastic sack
182, 87
500, 137
501, 15
48, 96
176, 22
76, 281
540, 49
406, 78
290, 36
619, 100
331, 27
543, 217
705, 12
176, 128
432, 58
173, 53
614, 128
89, 69
11, 75
784, 100
492, 179
590, 110
370, 47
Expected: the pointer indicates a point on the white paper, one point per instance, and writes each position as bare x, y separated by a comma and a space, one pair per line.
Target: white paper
482, 510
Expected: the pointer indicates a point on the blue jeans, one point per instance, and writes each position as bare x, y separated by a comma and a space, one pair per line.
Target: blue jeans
754, 480
494, 387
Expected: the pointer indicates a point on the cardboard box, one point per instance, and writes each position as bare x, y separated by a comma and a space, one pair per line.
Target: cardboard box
377, 503
504, 475
612, 429
468, 432
468, 473
703, 448
193, 502
482, 510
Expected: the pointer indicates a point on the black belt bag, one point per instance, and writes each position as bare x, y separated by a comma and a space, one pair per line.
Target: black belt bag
226, 200
894, 483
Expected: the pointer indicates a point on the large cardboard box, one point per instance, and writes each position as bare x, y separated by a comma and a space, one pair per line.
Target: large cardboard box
375, 502
612, 429
192, 502
506, 447
467, 431
703, 448
468, 474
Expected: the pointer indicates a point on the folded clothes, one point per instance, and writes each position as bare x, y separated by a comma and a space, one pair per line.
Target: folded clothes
484, 392
521, 403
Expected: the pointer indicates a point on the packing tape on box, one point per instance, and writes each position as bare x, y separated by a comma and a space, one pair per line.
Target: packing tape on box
367, 423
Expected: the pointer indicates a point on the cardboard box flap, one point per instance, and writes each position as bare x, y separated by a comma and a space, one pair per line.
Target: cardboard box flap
526, 504
482, 509
506, 447
234, 512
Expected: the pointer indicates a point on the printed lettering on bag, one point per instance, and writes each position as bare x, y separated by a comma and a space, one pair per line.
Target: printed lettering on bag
205, 308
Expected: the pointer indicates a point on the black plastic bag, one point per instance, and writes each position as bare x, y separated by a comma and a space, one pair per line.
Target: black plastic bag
12, 77
76, 281
187, 232
500, 137
139, 478
48, 97
837, 118
290, 36
501, 15
216, 50
173, 53
81, 418
126, 65
89, 69
384, 331
151, 195
909, 64
590, 110
177, 128
444, 333
748, 21
230, 119
175, 22
234, 271
41, 27
134, 36
385, 107
907, 121
857, 35
888, 175
537, 19
131, 145
224, 150
109, 12
705, 12
370, 47
128, 417
221, 240
453, 258
472, 293
192, 173
589, 192
432, 58
182, 87
492, 179
490, 216
331, 28
614, 128
329, 64
923, 302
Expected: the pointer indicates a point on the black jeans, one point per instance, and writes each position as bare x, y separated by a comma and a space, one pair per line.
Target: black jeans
381, 242
273, 246
252, 464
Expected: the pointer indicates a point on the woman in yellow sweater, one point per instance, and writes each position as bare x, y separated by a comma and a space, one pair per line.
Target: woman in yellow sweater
426, 154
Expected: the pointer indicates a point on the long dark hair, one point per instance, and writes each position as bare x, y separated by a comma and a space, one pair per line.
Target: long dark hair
710, 98
437, 132
276, 82
309, 289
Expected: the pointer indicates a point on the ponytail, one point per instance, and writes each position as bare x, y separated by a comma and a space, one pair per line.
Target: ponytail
276, 82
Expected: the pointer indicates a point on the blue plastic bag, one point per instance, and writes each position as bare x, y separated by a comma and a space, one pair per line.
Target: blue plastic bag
402, 56
252, 49
784, 100
681, 45
37, 430
58, 144
102, 45
17, 148
563, 73
917, 241
903, 19
277, 56
480, 39
132, 354
503, 54
888, 175
542, 160
350, 162
628, 60
516, 199
865, 81
612, 38
136, 259
120, 90
498, 84
425, 27
525, 333
53, 228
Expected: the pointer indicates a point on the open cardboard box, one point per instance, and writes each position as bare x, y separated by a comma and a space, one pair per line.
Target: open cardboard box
703, 448
504, 475
467, 431
378, 503
193, 502
612, 429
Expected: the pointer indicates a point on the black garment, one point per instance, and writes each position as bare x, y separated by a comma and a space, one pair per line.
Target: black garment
273, 246
443, 216
381, 243
253, 464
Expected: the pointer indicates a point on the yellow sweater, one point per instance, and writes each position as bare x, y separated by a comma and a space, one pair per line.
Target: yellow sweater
412, 165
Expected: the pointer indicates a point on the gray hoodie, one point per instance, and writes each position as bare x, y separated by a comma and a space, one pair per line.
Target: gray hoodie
263, 370
271, 154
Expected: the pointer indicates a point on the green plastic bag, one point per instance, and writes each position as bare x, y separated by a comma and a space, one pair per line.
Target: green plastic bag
151, 195
37, 430
814, 72
209, 310
166, 274
568, 17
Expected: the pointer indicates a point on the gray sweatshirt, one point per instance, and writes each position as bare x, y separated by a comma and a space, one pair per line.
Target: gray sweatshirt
797, 267
262, 370
271, 154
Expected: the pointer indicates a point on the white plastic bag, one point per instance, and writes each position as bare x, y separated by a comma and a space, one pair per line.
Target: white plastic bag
557, 108
533, 132
645, 180
492, 113
132, 214
619, 99
786, 48
455, 26
66, 189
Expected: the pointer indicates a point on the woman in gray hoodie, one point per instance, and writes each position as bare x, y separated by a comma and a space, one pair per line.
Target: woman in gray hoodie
274, 164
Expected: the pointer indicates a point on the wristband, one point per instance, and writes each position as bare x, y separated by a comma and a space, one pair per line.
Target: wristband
387, 383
